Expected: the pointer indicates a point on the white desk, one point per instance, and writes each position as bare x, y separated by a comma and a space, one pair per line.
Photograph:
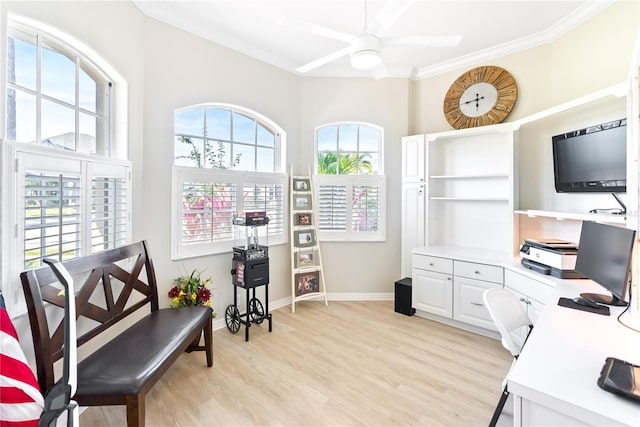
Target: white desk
553, 383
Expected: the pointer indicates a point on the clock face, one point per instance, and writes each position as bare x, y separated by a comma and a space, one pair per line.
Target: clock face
482, 96
478, 99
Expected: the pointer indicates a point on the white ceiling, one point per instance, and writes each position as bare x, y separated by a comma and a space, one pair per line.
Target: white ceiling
489, 29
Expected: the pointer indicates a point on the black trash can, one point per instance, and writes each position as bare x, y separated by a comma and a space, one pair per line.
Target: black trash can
403, 297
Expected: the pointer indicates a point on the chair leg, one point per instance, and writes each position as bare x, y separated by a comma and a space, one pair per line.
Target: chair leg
498, 411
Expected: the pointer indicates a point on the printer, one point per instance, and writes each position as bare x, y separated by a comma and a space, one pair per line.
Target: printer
551, 256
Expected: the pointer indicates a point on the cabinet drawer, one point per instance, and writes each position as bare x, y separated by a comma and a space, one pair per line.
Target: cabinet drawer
472, 270
533, 289
468, 305
432, 263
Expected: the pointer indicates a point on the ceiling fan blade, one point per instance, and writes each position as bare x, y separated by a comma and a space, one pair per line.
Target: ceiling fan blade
310, 27
428, 41
388, 15
324, 60
380, 71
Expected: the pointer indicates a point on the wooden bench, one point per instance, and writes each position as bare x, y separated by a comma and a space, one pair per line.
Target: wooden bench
109, 286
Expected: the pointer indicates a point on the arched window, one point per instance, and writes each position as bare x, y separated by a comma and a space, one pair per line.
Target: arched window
227, 159
68, 193
350, 182
55, 96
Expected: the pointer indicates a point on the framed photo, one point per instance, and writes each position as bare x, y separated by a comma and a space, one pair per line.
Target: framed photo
305, 259
303, 219
304, 238
301, 202
301, 184
307, 283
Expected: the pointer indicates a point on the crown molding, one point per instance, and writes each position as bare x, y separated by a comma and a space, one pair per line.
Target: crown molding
562, 27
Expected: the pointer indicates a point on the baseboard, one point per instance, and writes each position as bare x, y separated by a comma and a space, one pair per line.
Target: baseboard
459, 325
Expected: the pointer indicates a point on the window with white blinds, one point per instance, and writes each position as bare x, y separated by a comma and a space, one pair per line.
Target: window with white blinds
228, 159
351, 207
207, 199
71, 207
350, 185
67, 191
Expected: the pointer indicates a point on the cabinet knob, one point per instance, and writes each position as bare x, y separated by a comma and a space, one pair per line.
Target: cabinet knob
476, 272
479, 304
430, 264
449, 278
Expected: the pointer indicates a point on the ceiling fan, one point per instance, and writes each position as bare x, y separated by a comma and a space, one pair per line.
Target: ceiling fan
365, 49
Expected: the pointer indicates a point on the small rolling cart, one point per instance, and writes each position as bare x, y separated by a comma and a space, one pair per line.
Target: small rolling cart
249, 270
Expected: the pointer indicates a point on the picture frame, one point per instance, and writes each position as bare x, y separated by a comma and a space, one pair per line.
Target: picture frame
305, 259
304, 238
303, 219
301, 184
306, 283
301, 202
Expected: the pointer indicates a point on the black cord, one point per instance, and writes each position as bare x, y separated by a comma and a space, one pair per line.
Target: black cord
627, 307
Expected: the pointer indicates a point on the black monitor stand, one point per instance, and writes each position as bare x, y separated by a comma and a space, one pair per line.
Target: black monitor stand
605, 299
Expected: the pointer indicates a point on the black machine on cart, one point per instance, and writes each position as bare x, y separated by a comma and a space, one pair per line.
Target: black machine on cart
249, 270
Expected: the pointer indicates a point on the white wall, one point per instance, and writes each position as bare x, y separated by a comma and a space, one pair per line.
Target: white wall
360, 268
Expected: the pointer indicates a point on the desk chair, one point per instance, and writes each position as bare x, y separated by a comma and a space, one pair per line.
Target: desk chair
514, 326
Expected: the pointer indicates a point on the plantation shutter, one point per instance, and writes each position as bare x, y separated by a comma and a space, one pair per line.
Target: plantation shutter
207, 200
267, 198
332, 207
207, 210
366, 212
109, 213
351, 207
52, 217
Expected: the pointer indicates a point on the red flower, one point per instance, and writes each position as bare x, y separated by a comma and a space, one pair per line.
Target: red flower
174, 292
204, 294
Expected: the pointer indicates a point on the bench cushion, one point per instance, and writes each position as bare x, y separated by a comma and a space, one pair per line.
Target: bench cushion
125, 364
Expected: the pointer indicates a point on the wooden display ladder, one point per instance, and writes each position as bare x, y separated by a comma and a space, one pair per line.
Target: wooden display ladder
307, 278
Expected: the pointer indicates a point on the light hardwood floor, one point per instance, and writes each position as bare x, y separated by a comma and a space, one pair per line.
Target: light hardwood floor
348, 364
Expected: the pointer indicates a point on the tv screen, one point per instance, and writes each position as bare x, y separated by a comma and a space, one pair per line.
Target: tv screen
593, 159
604, 256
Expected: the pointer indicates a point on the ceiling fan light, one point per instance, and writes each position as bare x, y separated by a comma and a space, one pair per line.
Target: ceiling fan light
365, 52
365, 59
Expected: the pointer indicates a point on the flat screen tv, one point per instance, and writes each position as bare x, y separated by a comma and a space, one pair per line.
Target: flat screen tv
604, 256
593, 159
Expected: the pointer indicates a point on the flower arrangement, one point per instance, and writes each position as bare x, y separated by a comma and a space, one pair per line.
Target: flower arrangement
190, 290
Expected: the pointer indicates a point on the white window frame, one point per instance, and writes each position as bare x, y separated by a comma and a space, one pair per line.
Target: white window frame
279, 134
277, 233
349, 182
109, 162
28, 157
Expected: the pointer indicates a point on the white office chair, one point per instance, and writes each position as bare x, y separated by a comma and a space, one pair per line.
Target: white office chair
514, 326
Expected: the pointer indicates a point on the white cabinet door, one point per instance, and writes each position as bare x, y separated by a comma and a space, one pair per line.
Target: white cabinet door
468, 305
413, 158
432, 292
412, 223
533, 294
534, 309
